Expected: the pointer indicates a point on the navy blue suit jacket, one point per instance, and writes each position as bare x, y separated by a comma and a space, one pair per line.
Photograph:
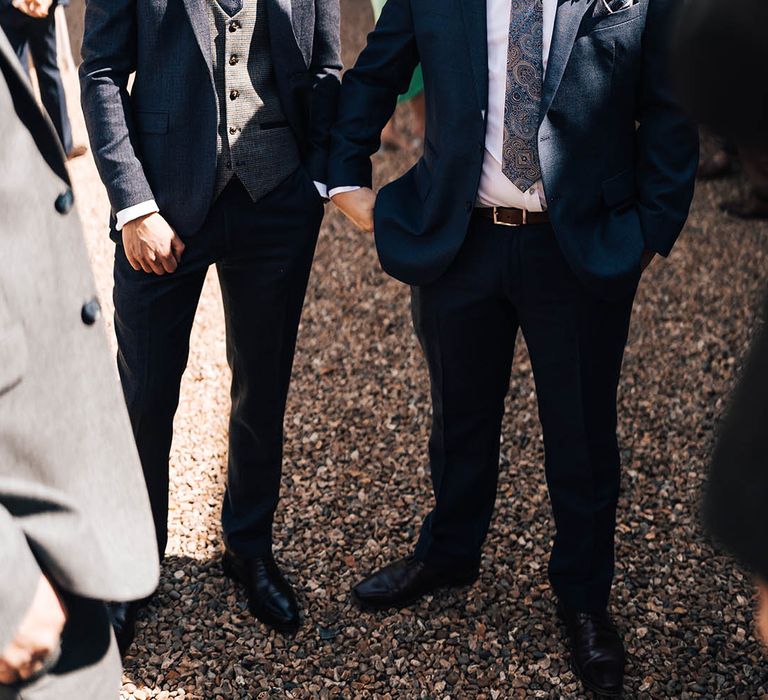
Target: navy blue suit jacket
618, 156
159, 140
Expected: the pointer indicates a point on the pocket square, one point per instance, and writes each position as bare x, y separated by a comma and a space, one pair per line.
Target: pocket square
603, 8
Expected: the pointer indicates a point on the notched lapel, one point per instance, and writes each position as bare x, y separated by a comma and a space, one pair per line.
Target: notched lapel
570, 14
475, 13
198, 17
283, 37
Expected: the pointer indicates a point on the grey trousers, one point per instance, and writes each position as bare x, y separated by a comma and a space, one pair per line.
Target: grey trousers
89, 666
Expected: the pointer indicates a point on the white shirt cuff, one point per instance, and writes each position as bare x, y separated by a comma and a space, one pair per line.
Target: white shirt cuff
342, 190
135, 212
322, 189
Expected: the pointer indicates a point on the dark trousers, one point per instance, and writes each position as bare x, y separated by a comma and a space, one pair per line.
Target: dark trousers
263, 253
506, 279
38, 36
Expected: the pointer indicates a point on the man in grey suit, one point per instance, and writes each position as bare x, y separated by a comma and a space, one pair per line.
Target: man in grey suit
217, 155
69, 472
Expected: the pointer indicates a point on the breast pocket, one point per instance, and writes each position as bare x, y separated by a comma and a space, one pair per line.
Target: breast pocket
616, 19
13, 356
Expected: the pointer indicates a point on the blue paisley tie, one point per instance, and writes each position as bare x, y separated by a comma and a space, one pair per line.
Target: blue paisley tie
525, 68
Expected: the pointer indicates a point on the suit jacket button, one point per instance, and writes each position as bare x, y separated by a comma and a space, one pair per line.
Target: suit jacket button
91, 312
64, 201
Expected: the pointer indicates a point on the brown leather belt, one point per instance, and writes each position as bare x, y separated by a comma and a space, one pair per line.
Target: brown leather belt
509, 216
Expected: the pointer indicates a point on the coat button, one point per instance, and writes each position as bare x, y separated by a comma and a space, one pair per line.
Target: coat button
234, 94
64, 202
91, 312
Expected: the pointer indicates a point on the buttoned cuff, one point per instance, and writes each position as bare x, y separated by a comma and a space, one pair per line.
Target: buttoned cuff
342, 190
135, 212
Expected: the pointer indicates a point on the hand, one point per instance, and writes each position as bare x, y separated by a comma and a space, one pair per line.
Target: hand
761, 617
357, 206
647, 259
152, 245
37, 637
34, 8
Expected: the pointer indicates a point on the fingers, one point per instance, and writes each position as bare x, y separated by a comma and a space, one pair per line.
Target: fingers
177, 248
153, 261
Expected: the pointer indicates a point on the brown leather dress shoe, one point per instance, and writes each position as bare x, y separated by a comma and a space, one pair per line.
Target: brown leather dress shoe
77, 150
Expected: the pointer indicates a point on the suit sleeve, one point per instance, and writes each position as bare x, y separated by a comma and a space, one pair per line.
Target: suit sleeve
667, 140
109, 57
326, 69
369, 95
737, 492
19, 581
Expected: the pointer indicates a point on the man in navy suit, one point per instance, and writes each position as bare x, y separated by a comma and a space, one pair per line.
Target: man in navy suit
30, 26
557, 163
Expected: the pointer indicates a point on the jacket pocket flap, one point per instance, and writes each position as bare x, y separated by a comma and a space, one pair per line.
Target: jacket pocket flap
152, 122
13, 356
619, 189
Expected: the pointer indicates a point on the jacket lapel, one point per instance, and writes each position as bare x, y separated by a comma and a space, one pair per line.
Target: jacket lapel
475, 20
201, 26
282, 37
567, 22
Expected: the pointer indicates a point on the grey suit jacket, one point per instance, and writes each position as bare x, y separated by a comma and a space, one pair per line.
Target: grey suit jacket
159, 141
73, 503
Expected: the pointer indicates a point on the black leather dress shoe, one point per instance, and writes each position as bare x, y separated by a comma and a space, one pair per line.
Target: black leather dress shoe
596, 650
405, 581
123, 619
270, 597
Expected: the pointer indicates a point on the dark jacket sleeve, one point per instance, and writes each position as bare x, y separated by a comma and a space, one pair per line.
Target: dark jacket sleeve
109, 57
369, 95
667, 139
326, 70
736, 501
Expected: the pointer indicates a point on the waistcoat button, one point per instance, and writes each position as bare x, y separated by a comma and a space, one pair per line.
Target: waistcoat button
234, 94
233, 60
234, 25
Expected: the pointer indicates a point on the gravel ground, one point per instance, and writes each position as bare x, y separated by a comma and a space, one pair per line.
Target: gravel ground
356, 486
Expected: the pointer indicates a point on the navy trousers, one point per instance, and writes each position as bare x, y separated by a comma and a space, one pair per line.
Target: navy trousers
263, 252
38, 36
504, 280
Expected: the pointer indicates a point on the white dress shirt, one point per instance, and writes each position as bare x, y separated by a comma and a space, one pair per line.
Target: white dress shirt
496, 190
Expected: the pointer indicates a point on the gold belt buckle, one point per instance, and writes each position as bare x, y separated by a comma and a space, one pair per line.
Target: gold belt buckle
504, 223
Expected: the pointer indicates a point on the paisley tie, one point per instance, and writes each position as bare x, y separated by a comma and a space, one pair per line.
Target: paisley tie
231, 7
525, 68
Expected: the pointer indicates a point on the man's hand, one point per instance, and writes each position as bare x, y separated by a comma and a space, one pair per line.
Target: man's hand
152, 245
647, 259
761, 616
37, 637
357, 206
34, 8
